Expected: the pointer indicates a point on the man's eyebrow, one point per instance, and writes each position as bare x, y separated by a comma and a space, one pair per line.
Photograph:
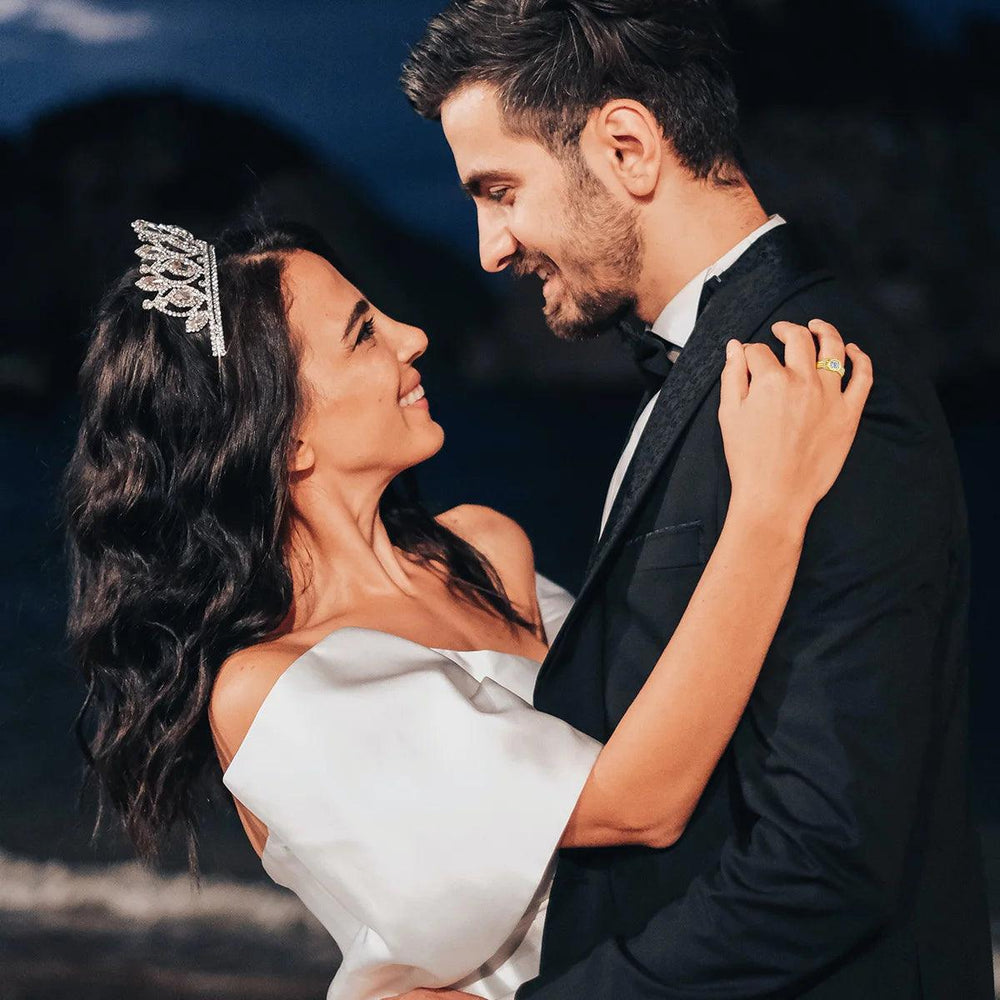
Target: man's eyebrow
360, 308
473, 185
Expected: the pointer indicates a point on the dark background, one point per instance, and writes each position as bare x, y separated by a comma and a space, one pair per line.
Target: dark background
875, 125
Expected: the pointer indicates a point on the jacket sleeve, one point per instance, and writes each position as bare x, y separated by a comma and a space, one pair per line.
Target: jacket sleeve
830, 753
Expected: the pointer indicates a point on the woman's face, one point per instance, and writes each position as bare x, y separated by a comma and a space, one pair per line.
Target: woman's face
365, 413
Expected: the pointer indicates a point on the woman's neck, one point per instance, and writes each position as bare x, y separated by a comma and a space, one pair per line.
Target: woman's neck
340, 554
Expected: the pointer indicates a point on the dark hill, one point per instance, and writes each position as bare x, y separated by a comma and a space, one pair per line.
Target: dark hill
72, 184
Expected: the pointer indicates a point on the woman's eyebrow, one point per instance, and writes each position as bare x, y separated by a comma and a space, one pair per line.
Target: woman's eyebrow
360, 308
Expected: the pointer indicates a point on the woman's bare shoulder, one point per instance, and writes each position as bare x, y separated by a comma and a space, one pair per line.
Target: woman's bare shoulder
503, 542
242, 684
499, 537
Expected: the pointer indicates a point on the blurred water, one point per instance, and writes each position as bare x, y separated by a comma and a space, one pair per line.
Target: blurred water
72, 929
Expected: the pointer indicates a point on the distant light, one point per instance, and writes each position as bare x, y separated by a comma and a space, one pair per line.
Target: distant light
81, 20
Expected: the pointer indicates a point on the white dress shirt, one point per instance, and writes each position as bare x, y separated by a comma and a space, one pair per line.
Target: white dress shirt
675, 325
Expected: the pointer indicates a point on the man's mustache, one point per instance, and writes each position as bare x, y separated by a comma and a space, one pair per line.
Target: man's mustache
524, 264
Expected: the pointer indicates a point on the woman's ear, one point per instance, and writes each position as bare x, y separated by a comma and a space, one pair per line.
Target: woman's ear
628, 141
303, 457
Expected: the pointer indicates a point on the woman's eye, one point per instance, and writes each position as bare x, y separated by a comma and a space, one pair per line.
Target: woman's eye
497, 194
366, 332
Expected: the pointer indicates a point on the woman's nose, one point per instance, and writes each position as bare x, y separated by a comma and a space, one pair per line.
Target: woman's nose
412, 343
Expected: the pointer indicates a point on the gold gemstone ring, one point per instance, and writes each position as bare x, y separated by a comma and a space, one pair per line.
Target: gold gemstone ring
832, 365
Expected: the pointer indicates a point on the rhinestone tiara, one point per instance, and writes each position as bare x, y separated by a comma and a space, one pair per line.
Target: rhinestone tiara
181, 271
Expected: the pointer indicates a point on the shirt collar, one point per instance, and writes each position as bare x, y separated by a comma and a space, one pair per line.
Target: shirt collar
676, 323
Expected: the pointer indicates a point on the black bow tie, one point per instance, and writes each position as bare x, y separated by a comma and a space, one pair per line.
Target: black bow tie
651, 351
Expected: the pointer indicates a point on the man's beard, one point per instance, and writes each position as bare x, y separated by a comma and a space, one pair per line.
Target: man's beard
608, 232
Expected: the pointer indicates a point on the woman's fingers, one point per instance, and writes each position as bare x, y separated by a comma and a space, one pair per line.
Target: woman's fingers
800, 349
761, 361
735, 376
786, 439
861, 378
831, 346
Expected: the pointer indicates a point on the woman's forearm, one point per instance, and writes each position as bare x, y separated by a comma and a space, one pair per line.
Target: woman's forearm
649, 777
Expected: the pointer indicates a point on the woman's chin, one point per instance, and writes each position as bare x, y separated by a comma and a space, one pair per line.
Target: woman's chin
439, 434
430, 440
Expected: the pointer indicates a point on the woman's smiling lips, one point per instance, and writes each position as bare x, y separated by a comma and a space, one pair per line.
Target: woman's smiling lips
415, 397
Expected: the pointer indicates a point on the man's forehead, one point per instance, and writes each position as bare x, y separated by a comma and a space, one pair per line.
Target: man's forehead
482, 147
470, 118
475, 101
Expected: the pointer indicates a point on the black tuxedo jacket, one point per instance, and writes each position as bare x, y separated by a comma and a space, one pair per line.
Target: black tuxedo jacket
832, 854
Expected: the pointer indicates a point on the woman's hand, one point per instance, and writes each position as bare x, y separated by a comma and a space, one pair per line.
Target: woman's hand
787, 429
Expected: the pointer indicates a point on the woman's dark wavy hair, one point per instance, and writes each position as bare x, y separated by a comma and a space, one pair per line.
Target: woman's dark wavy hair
177, 507
555, 61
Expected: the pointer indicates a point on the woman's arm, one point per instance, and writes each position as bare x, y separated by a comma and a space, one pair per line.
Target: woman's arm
787, 431
650, 775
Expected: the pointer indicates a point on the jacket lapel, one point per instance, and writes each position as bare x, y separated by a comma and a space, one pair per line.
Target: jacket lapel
771, 271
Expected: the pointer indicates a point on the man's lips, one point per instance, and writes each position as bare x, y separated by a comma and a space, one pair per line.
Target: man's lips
552, 288
523, 265
550, 277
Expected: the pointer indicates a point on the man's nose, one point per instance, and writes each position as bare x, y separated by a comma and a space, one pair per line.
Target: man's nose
497, 245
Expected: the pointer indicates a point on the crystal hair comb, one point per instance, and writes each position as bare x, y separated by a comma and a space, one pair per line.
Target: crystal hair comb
181, 271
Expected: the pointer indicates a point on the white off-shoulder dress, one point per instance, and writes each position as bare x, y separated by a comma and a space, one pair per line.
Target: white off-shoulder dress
414, 801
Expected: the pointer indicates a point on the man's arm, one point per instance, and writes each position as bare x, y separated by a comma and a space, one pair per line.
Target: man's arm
831, 752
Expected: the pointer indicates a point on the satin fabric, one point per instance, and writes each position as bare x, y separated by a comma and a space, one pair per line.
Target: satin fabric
414, 801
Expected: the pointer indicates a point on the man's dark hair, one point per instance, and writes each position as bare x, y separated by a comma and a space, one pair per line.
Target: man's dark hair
554, 61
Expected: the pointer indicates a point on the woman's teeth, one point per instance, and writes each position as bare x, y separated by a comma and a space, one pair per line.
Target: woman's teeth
411, 397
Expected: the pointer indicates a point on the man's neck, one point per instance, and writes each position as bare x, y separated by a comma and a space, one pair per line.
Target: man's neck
689, 234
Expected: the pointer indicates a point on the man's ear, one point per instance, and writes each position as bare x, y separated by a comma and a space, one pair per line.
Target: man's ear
628, 142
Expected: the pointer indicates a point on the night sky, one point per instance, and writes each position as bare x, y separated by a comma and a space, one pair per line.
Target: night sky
325, 69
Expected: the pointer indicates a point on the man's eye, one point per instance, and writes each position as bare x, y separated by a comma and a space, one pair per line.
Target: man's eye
497, 194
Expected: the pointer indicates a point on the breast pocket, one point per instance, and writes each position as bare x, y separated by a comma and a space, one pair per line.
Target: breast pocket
674, 546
